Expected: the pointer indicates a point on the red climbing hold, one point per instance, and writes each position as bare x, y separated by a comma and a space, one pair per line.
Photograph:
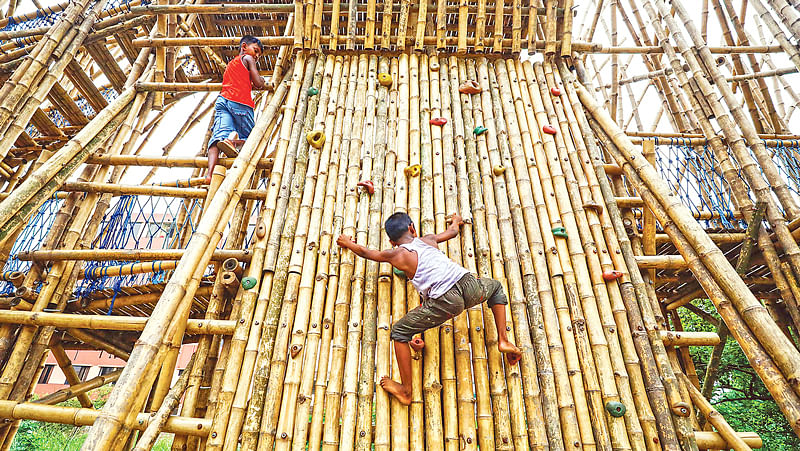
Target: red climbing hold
608, 276
367, 184
438, 121
549, 129
555, 91
417, 344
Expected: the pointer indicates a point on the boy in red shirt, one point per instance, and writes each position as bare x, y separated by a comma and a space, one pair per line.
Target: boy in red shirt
233, 111
446, 288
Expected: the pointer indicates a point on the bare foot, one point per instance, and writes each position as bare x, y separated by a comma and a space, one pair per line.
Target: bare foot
513, 353
396, 390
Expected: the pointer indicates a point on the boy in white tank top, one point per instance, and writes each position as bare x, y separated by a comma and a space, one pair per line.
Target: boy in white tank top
445, 287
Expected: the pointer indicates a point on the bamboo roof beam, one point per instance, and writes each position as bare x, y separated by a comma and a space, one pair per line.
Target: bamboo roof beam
105, 322
661, 262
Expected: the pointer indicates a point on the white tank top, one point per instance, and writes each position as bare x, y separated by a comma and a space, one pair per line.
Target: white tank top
435, 272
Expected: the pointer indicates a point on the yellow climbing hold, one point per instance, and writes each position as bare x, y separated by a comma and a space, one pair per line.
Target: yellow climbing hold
316, 139
498, 170
413, 171
434, 66
385, 79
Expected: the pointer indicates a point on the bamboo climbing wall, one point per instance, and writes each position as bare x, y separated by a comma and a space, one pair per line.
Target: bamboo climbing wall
371, 108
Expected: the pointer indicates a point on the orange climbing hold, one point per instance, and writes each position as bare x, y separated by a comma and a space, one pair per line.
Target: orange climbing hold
549, 129
555, 91
469, 87
608, 276
438, 121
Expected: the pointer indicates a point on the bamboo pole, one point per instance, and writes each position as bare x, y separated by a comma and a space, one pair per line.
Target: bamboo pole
69, 372
630, 289
460, 389
481, 212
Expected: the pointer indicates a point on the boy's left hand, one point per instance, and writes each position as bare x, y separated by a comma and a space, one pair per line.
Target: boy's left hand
344, 241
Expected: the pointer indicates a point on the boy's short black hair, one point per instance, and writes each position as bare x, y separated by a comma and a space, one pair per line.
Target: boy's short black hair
247, 39
397, 225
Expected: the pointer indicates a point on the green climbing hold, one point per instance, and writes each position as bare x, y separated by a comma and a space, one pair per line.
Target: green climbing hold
312, 91
398, 272
249, 282
616, 408
479, 130
560, 232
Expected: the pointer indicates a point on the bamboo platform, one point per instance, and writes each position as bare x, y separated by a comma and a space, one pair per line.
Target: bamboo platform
599, 228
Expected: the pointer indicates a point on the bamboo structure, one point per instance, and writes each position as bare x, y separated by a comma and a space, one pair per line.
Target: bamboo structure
599, 227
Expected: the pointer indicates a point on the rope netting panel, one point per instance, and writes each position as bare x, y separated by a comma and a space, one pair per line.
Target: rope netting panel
138, 222
787, 157
695, 176
31, 239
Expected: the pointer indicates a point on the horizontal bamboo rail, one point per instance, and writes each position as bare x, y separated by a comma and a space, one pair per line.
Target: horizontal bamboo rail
86, 417
661, 262
150, 190
168, 161
674, 338
126, 254
123, 301
77, 389
105, 322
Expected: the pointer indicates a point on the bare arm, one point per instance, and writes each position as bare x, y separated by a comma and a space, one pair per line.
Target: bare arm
256, 79
365, 252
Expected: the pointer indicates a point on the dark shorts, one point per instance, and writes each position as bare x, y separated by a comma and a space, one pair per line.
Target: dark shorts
230, 116
466, 293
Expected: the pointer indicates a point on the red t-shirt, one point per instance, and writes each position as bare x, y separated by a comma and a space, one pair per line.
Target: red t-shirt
236, 83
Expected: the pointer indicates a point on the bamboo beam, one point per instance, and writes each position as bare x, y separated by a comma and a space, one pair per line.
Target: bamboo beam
673, 338
87, 417
125, 254
69, 372
169, 161
78, 389
105, 322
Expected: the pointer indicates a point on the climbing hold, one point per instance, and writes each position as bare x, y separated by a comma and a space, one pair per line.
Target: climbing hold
399, 273
479, 130
560, 232
555, 91
549, 129
295, 349
385, 79
312, 91
469, 87
316, 139
438, 121
498, 170
249, 282
367, 184
412, 171
592, 205
261, 229
417, 344
681, 409
434, 66
616, 409
608, 276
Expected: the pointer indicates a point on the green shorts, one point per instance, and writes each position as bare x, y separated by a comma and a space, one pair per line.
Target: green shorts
466, 293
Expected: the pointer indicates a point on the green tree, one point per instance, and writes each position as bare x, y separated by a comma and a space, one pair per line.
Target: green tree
739, 395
